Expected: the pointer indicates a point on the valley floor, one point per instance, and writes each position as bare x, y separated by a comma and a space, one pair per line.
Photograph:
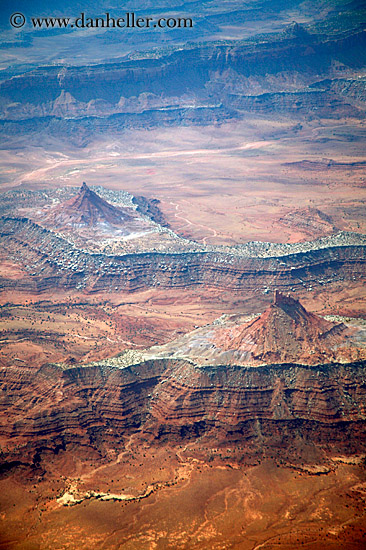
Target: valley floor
172, 498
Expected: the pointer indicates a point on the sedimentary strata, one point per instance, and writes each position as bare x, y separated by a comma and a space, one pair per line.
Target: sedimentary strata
49, 260
297, 404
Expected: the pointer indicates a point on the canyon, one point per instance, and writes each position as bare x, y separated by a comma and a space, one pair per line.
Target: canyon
97, 424
182, 279
163, 258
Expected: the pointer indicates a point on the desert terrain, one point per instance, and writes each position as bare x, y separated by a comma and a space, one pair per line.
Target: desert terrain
182, 280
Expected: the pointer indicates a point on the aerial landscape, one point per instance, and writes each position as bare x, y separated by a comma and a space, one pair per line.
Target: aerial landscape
182, 275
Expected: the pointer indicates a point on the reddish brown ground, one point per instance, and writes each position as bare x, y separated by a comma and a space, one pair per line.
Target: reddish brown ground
197, 498
258, 179
80, 327
226, 184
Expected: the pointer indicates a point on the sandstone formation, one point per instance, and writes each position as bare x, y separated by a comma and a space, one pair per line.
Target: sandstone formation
300, 71
87, 243
284, 333
121, 427
86, 209
172, 393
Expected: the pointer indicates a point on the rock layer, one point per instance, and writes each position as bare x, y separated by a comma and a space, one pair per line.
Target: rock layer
171, 398
286, 332
197, 84
99, 406
57, 263
85, 209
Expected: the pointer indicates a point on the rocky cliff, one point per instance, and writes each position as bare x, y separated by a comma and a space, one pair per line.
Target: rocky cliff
99, 406
288, 406
54, 261
198, 84
87, 242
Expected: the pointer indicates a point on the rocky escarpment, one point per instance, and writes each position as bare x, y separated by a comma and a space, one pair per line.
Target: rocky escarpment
51, 261
175, 72
196, 84
150, 207
290, 407
79, 402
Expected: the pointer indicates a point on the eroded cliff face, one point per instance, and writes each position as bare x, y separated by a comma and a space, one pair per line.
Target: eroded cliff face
173, 401
287, 332
177, 392
151, 81
51, 261
291, 73
284, 333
